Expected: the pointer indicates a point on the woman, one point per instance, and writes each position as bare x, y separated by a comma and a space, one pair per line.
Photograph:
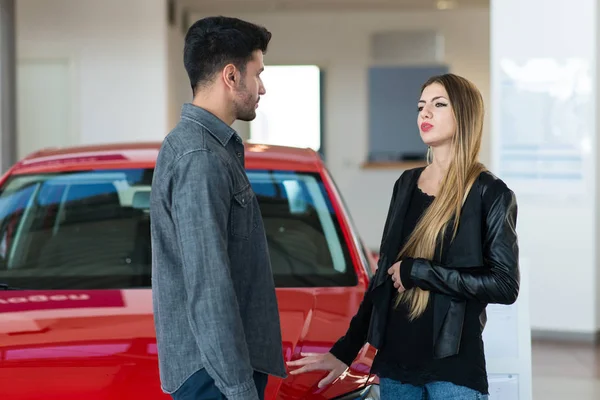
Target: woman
449, 248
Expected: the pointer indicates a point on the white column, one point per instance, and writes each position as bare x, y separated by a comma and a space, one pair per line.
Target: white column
8, 113
544, 103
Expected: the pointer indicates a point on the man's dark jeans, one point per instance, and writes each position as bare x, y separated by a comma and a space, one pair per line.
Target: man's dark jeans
200, 386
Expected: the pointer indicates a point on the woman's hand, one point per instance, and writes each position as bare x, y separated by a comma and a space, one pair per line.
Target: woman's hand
394, 271
319, 362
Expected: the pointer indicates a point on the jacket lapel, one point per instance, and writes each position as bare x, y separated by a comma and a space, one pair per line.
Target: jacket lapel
441, 304
392, 242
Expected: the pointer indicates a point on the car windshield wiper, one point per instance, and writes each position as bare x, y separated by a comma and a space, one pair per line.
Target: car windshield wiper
4, 286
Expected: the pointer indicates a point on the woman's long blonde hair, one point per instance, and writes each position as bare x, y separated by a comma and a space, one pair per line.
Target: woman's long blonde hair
464, 168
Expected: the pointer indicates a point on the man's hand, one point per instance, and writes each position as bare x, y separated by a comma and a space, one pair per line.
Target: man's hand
394, 271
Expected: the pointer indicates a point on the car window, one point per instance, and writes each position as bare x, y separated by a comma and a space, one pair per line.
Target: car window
305, 241
362, 250
91, 230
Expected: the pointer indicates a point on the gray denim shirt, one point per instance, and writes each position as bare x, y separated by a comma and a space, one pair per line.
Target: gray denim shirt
212, 287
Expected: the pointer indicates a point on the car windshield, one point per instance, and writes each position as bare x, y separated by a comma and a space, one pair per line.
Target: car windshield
91, 230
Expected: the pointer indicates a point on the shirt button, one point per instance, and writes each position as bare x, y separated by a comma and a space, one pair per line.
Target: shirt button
239, 154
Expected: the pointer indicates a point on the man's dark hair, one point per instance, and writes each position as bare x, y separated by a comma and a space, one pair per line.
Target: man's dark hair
213, 42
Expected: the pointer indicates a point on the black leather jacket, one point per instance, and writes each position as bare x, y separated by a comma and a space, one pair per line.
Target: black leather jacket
481, 264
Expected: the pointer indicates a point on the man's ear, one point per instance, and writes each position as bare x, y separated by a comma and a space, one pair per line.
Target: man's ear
230, 76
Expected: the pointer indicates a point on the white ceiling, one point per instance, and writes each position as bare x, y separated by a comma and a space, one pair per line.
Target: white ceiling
203, 6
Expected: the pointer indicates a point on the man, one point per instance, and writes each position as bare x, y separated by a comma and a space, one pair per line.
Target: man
215, 310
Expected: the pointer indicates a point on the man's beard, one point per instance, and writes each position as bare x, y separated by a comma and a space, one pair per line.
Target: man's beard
244, 104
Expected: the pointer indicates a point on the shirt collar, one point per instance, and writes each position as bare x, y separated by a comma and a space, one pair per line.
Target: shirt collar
219, 129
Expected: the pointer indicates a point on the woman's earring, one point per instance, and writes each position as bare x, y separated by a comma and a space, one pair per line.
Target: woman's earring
429, 158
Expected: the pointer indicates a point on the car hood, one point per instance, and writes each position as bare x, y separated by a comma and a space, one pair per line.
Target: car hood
100, 344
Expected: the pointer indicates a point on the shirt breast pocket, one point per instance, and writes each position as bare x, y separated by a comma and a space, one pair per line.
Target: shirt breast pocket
244, 213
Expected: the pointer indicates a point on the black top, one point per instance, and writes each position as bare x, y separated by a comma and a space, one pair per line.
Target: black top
407, 353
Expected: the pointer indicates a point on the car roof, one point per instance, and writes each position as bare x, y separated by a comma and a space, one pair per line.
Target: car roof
143, 155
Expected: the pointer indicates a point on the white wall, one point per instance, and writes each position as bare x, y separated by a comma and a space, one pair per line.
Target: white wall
119, 50
179, 90
557, 221
596, 106
339, 43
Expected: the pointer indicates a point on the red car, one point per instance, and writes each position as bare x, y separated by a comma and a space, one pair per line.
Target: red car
75, 298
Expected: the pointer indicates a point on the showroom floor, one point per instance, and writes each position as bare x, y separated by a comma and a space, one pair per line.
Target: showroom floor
564, 371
